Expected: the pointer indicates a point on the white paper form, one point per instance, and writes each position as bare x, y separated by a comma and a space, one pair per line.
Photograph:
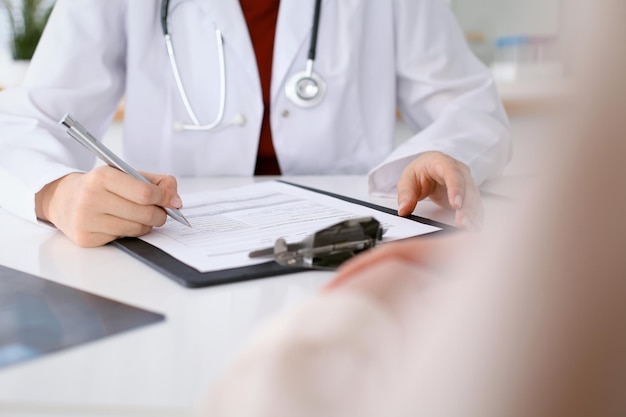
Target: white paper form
229, 224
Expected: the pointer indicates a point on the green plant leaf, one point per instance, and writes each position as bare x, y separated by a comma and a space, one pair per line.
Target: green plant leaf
27, 25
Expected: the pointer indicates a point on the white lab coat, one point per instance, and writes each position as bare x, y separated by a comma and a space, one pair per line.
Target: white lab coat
375, 56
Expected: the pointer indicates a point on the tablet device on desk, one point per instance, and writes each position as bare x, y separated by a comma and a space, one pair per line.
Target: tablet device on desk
229, 224
39, 317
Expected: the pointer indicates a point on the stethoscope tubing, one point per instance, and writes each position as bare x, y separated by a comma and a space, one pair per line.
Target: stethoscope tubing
197, 125
314, 30
305, 88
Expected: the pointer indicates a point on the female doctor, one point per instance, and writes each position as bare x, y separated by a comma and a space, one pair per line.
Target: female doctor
221, 87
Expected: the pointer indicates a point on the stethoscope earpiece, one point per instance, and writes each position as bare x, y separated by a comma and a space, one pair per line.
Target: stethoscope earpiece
179, 127
239, 120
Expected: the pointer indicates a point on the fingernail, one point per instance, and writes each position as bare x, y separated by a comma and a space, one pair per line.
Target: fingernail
469, 225
402, 205
458, 200
176, 202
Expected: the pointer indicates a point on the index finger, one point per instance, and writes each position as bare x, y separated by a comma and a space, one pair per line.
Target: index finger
453, 177
140, 192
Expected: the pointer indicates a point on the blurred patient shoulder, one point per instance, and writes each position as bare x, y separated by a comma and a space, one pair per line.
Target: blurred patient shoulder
324, 358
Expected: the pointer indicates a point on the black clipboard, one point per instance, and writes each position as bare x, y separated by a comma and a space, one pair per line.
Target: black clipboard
192, 278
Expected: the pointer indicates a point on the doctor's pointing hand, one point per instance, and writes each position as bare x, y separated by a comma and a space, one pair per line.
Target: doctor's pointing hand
249, 87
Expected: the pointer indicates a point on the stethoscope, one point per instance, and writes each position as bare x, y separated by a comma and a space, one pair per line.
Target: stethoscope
305, 88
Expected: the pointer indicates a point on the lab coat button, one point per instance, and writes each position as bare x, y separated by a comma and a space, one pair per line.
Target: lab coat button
285, 114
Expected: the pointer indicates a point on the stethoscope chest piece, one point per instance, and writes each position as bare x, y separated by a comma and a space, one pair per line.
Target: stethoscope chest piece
305, 89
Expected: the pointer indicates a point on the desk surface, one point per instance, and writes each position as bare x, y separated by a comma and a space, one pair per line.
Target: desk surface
163, 369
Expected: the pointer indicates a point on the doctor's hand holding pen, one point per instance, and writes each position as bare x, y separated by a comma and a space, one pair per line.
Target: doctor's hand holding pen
99, 206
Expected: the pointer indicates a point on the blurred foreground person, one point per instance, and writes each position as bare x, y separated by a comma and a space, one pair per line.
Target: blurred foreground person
526, 319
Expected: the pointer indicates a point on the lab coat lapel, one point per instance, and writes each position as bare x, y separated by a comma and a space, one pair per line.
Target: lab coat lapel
295, 19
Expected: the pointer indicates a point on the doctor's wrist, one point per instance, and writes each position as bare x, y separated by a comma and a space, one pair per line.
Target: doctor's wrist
44, 199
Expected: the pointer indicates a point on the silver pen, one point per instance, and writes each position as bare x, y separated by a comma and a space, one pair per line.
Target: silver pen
78, 132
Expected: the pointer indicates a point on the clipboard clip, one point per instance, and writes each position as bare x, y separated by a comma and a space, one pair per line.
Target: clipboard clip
327, 248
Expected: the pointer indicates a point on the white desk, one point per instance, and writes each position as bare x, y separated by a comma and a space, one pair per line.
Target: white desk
159, 370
